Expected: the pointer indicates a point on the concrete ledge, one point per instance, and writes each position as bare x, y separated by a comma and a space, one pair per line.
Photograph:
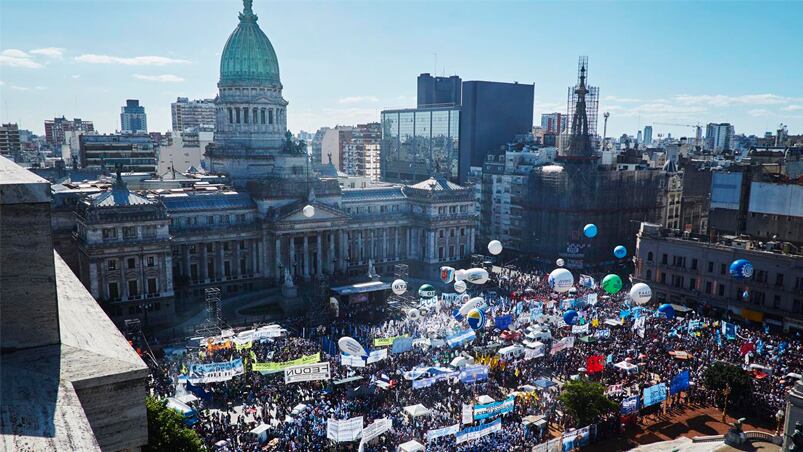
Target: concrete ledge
20, 186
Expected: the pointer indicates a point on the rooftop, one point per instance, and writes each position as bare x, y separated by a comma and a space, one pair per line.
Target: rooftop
373, 194
726, 242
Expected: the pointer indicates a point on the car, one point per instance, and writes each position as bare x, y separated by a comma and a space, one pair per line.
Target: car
510, 335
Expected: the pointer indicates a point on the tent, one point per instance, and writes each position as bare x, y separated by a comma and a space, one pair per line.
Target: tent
543, 383
300, 408
527, 388
410, 446
485, 399
461, 362
260, 433
536, 421
417, 411
627, 367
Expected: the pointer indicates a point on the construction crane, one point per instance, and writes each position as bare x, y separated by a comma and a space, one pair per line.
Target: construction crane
698, 129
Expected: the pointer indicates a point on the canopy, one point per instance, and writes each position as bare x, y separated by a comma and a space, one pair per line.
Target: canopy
527, 388
538, 421
680, 308
300, 408
417, 411
371, 286
680, 354
543, 383
259, 429
588, 339
484, 399
624, 365
459, 362
410, 446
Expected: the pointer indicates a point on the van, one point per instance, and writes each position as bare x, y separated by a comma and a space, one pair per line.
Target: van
511, 352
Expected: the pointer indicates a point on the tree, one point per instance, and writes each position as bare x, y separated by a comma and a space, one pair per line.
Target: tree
721, 375
585, 401
166, 429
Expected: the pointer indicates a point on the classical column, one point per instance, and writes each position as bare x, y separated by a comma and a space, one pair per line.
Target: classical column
343, 250
236, 257
278, 257
252, 245
306, 257
202, 266
319, 250
185, 266
471, 239
95, 275
409, 242
385, 254
168, 269
331, 255
291, 243
358, 258
431, 245
220, 271
396, 253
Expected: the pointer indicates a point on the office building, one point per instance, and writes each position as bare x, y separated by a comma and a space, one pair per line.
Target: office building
439, 91
132, 117
184, 151
692, 270
491, 115
420, 143
198, 113
55, 129
316, 146
333, 145
647, 135
136, 153
10, 141
361, 154
719, 137
553, 123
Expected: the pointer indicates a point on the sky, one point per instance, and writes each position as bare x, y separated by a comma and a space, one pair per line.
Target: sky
342, 62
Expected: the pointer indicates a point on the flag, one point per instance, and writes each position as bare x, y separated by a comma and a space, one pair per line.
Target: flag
729, 330
609, 359
624, 313
595, 323
719, 339
679, 383
595, 363
746, 348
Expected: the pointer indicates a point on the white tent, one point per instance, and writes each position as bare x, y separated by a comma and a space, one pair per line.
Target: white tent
298, 409
459, 362
483, 399
417, 411
410, 446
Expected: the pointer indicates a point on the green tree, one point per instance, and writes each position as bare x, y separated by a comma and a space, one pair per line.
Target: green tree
585, 401
166, 430
721, 375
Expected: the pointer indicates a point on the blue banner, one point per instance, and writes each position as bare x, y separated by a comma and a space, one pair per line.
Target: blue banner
679, 383
624, 313
654, 394
636, 312
503, 321
729, 330
401, 345
198, 391
460, 338
473, 374
472, 433
494, 408
629, 405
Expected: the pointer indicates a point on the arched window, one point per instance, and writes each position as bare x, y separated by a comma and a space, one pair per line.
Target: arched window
649, 256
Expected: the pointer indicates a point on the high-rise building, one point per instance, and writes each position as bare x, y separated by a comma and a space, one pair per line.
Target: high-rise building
361, 154
639, 138
492, 114
135, 152
439, 91
132, 117
198, 113
647, 134
316, 147
719, 137
333, 144
10, 141
554, 123
54, 129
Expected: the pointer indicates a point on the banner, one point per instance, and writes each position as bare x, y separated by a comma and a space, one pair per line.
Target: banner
461, 338
473, 374
563, 344
630, 405
427, 382
553, 445
445, 431
654, 394
587, 281
377, 355
386, 341
591, 299
729, 330
307, 372
503, 322
213, 372
494, 409
582, 329
375, 429
243, 346
213, 346
343, 431
401, 345
352, 361
679, 383
595, 363
602, 333
472, 433
419, 371
532, 353
274, 367
468, 414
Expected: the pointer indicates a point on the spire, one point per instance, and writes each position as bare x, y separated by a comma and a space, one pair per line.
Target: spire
248, 13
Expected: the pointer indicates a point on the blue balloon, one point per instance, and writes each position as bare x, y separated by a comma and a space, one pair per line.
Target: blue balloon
590, 230
456, 314
620, 252
570, 317
741, 269
668, 310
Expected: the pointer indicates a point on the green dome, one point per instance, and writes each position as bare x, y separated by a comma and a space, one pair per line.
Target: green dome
248, 58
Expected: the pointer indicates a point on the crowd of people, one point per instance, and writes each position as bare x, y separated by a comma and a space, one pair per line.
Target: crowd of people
297, 413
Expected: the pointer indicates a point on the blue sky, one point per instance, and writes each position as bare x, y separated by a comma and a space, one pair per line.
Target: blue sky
342, 62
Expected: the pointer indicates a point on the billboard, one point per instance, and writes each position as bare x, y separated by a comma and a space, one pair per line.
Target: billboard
776, 199
726, 189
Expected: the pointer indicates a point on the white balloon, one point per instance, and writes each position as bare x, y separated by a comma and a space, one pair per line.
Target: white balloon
413, 314
447, 274
477, 275
560, 262
351, 346
460, 275
640, 293
561, 280
495, 247
308, 211
475, 302
399, 286
460, 286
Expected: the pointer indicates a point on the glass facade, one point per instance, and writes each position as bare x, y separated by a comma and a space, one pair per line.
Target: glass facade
419, 143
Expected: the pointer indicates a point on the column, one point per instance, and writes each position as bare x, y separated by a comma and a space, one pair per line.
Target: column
220, 272
306, 256
202, 266
235, 271
357, 257
471, 238
319, 257
95, 276
385, 254
291, 243
331, 255
396, 252
343, 251
168, 269
409, 242
277, 261
254, 256
430, 254
185, 266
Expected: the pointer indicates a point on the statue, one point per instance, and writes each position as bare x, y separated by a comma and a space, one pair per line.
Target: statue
371, 269
293, 147
288, 278
735, 436
796, 438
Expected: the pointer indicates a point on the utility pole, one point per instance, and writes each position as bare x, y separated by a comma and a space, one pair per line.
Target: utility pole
604, 129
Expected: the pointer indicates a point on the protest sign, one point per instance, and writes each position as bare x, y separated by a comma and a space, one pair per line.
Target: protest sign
214, 372
274, 367
307, 372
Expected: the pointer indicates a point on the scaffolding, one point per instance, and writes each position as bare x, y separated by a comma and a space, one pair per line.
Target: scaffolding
591, 94
213, 324
401, 271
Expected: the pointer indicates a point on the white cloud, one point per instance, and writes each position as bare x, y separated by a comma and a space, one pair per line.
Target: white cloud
758, 112
148, 60
50, 52
170, 78
358, 99
19, 88
18, 58
622, 99
793, 108
76, 76
720, 100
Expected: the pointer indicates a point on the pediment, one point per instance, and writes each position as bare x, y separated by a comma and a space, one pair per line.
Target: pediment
323, 212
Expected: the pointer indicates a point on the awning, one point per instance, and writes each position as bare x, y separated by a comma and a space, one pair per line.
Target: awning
755, 316
372, 286
680, 308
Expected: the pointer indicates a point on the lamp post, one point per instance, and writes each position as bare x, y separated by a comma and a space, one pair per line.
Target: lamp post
779, 418
726, 392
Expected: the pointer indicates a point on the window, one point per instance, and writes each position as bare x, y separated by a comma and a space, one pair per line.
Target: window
263, 116
241, 218
779, 280
193, 250
708, 287
131, 263
114, 291
776, 302
209, 248
663, 278
648, 275
109, 233
225, 219
231, 117
129, 232
796, 306
440, 233
462, 232
151, 262
451, 251
111, 264
451, 232
225, 246
692, 283
710, 267
210, 219
149, 231
152, 286
721, 290
133, 288
242, 267
694, 264
440, 252
664, 259
227, 268
649, 256
270, 116
722, 269
237, 114
210, 269
245, 115
254, 116
242, 244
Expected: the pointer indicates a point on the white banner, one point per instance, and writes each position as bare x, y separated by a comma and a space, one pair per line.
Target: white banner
352, 361
563, 344
468, 414
377, 355
307, 372
445, 431
214, 372
343, 431
375, 429
472, 433
580, 329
